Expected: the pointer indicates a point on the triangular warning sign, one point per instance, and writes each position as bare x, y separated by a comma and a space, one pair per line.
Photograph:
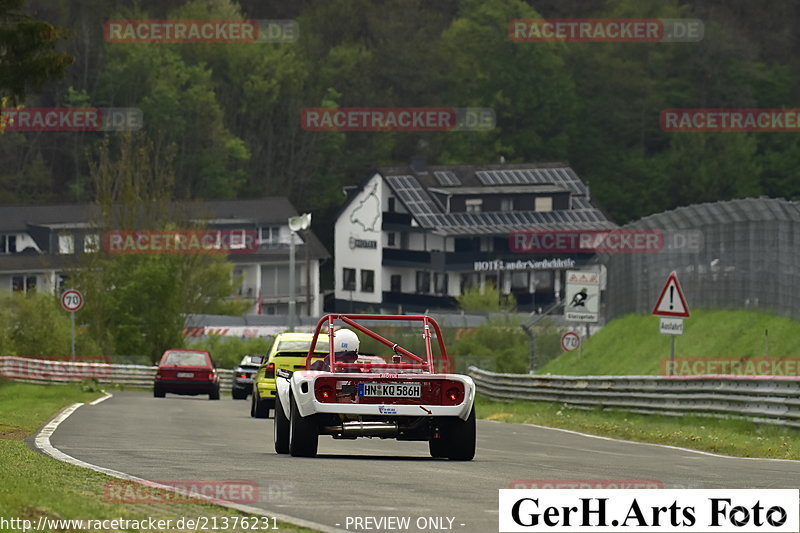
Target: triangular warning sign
671, 302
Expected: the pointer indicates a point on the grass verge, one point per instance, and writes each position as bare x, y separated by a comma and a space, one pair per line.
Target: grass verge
632, 345
724, 436
33, 485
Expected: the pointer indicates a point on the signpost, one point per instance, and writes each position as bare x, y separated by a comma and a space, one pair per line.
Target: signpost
672, 308
570, 341
72, 300
582, 296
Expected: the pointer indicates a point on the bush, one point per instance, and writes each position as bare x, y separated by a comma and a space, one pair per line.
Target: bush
499, 345
487, 300
36, 324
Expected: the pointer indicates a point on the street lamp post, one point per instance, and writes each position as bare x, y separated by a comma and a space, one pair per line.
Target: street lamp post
296, 224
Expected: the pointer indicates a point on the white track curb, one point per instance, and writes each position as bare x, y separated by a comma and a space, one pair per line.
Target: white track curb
43, 444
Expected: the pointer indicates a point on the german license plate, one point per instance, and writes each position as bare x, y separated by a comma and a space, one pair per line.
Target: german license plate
391, 390
185, 374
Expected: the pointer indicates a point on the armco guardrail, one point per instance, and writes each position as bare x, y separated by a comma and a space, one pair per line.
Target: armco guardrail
60, 371
772, 399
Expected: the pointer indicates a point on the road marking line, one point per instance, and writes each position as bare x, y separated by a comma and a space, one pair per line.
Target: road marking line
100, 400
601, 437
43, 444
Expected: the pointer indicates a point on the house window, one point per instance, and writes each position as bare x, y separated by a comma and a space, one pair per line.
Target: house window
519, 280
8, 244
440, 283
66, 244
349, 279
423, 281
269, 235
367, 280
91, 243
396, 283
23, 283
390, 239
473, 205
544, 203
506, 204
391, 205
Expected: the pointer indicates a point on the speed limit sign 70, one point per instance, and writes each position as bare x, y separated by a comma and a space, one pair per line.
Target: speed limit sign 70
570, 341
71, 300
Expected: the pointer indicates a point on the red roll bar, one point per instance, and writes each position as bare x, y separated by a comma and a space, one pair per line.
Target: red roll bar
350, 320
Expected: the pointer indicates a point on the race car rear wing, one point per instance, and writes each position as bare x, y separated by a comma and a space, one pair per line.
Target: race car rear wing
418, 362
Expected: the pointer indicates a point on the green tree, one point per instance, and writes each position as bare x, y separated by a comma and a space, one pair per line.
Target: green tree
135, 304
486, 300
28, 57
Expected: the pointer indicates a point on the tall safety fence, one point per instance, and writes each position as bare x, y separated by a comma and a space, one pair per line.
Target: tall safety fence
740, 254
768, 399
34, 370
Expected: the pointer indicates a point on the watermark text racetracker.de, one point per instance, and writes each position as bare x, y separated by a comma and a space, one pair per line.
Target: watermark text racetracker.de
730, 120
658, 510
195, 523
732, 366
181, 242
72, 119
604, 241
150, 31
622, 30
586, 484
397, 119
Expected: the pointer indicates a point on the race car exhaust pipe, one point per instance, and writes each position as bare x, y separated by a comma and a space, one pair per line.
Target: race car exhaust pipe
364, 429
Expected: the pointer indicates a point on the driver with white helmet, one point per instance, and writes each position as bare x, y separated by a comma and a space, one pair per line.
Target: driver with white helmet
345, 346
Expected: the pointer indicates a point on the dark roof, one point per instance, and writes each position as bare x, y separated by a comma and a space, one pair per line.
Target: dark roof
412, 188
272, 210
264, 211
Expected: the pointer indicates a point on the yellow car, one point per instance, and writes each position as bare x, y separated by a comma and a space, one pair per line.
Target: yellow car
289, 351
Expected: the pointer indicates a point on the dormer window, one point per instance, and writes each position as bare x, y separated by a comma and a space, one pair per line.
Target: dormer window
8, 244
544, 203
66, 244
473, 205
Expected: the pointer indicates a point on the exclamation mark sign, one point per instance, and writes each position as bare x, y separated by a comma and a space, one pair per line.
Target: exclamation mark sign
671, 295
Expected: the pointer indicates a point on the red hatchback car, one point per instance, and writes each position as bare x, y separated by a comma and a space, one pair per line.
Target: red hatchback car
186, 372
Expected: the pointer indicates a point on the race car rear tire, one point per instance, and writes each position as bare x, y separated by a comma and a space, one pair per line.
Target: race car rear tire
260, 407
461, 438
237, 395
303, 434
280, 429
438, 447
158, 392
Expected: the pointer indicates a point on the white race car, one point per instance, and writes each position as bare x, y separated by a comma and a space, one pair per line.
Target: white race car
350, 395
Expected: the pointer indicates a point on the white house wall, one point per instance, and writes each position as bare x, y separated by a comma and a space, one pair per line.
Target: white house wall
361, 221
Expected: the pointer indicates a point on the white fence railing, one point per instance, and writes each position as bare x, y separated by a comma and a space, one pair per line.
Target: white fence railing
65, 371
771, 399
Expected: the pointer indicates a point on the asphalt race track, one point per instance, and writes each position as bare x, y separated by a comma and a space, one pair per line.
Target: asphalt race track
192, 438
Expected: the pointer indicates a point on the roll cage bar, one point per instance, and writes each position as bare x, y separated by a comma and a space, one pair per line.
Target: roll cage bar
418, 362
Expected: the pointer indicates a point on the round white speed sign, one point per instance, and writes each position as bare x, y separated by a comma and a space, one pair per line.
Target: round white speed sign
570, 341
72, 300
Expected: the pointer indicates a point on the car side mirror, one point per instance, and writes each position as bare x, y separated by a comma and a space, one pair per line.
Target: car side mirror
283, 373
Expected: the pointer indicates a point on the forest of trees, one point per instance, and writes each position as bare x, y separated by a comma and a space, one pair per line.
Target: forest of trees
232, 110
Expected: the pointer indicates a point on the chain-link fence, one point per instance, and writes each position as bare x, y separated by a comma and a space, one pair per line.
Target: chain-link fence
740, 254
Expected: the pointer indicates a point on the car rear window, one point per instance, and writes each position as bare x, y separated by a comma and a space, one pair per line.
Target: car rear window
301, 346
186, 358
251, 360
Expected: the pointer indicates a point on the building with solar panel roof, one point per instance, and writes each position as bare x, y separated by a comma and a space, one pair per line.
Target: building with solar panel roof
414, 238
